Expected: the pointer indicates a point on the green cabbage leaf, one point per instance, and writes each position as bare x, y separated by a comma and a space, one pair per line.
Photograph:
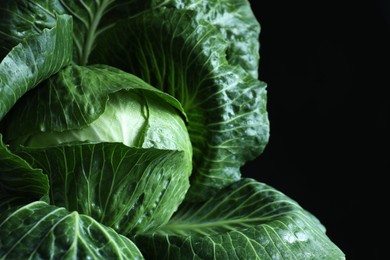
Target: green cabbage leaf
246, 220
41, 231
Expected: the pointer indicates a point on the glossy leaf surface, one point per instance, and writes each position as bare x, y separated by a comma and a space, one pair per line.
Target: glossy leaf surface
129, 189
247, 220
33, 60
42, 231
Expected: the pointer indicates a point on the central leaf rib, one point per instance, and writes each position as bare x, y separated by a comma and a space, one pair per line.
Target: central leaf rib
209, 227
91, 25
91, 36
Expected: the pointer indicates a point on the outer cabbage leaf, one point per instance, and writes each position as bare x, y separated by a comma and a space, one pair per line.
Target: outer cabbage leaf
247, 220
20, 183
235, 21
23, 19
42, 231
186, 57
19, 180
132, 190
33, 60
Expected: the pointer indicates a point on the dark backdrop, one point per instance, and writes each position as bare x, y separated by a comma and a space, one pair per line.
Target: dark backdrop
327, 66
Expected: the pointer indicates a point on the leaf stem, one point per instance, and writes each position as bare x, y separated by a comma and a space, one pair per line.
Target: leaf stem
91, 35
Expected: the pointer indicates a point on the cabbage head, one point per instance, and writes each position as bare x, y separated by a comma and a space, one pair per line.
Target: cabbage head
123, 128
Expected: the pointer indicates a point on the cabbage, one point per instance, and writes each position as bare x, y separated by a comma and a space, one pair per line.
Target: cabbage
124, 125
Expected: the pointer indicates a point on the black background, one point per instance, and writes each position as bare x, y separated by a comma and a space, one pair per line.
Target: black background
327, 66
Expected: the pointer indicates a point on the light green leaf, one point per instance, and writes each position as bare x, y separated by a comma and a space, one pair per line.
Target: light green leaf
33, 60
42, 231
132, 190
247, 220
186, 57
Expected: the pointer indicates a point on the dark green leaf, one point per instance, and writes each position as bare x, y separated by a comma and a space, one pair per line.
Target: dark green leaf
19, 179
21, 19
42, 231
236, 23
33, 60
129, 189
94, 17
8, 201
247, 220
30, 62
